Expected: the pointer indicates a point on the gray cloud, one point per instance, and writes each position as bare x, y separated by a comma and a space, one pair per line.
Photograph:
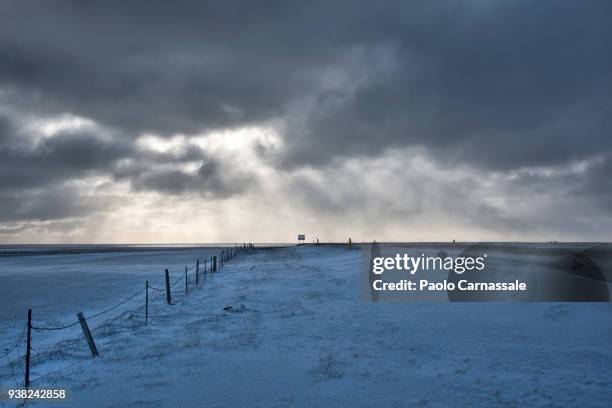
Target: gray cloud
497, 86
523, 83
208, 181
63, 157
36, 175
49, 204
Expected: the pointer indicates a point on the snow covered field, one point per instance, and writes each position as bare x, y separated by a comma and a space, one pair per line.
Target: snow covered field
298, 333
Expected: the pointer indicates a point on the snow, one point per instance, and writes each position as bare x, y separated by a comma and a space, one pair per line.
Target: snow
298, 334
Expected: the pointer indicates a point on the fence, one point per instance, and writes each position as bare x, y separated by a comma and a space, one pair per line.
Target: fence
32, 355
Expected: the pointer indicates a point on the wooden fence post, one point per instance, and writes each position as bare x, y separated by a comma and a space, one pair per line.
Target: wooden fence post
28, 347
168, 295
87, 333
185, 279
204, 268
214, 264
198, 271
147, 303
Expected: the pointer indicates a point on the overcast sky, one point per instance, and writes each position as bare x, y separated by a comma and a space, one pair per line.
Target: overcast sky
255, 121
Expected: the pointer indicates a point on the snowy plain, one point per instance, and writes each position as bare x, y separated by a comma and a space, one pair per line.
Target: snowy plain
299, 333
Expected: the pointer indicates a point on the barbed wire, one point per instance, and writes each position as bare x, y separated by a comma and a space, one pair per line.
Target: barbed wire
20, 340
177, 281
11, 367
55, 372
38, 329
47, 350
116, 306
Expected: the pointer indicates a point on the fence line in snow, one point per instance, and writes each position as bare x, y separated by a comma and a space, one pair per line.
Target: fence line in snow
26, 335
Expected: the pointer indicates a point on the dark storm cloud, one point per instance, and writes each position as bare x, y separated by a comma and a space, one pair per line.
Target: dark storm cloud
208, 181
48, 204
36, 176
495, 85
502, 84
173, 68
63, 157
